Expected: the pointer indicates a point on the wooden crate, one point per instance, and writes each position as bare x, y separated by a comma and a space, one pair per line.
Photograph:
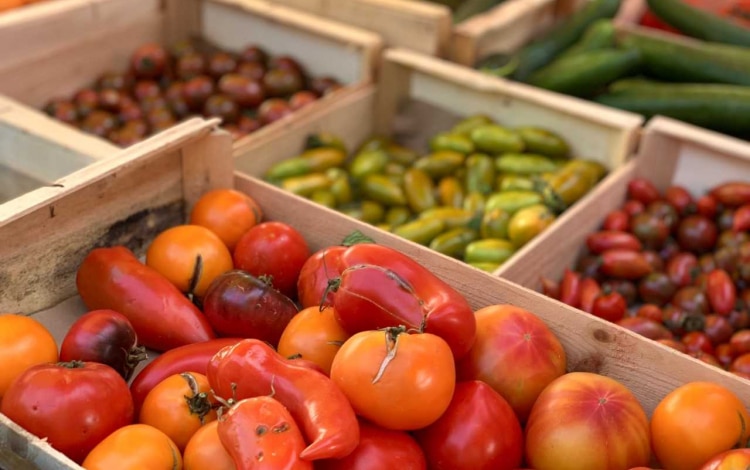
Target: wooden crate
60, 47
670, 152
112, 202
36, 150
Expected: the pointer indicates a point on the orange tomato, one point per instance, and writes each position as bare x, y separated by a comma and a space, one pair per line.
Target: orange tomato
228, 213
135, 446
736, 459
178, 406
695, 422
24, 342
181, 253
396, 380
205, 450
313, 335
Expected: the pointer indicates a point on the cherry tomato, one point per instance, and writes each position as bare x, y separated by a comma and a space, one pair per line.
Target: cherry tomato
695, 422
598, 242
617, 220
682, 268
680, 198
707, 206
205, 450
396, 380
149, 61
24, 342
633, 207
74, 405
135, 446
624, 264
570, 288
479, 430
697, 234
642, 190
718, 329
650, 311
725, 354
590, 290
610, 306
276, 250
721, 292
698, 341
656, 288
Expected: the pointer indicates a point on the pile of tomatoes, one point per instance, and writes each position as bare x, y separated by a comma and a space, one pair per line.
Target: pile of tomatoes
162, 87
352, 357
673, 268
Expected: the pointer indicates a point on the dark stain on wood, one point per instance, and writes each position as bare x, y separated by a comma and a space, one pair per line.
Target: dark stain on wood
137, 230
602, 336
591, 363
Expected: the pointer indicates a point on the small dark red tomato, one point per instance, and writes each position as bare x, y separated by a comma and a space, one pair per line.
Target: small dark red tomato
691, 299
681, 199
253, 54
656, 288
175, 89
122, 82
282, 82
301, 99
222, 106
248, 124
610, 306
718, 329
650, 229
698, 341
741, 364
624, 264
732, 239
707, 206
151, 103
633, 207
706, 264
272, 110
86, 100
130, 113
588, 266
130, 133
705, 357
570, 288
654, 259
62, 110
618, 220
725, 354
741, 222
322, 86
252, 70
149, 61
550, 287
220, 63
99, 123
286, 62
242, 90
669, 249
739, 319
646, 328
680, 322
682, 268
603, 240
627, 289
665, 212
721, 292
106, 337
379, 448
697, 234
146, 88
190, 65
110, 100
160, 119
727, 259
273, 249
650, 311
643, 190
197, 90
740, 341
674, 344
478, 430
725, 219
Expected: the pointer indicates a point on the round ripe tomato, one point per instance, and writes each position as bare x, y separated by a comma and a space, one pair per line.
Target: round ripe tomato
228, 213
24, 342
205, 450
736, 459
585, 421
478, 431
178, 406
396, 380
314, 335
74, 405
135, 446
696, 422
515, 354
379, 448
190, 256
273, 249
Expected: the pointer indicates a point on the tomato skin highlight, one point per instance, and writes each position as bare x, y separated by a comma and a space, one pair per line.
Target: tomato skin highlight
260, 434
729, 460
319, 407
380, 287
624, 264
74, 405
189, 358
135, 446
599, 242
113, 278
732, 194
478, 431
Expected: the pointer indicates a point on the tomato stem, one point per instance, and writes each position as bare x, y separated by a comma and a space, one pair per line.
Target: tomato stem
391, 346
197, 402
333, 286
136, 355
355, 238
71, 364
197, 272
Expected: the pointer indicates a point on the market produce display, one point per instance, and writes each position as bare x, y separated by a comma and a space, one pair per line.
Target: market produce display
673, 268
702, 80
164, 86
382, 363
482, 192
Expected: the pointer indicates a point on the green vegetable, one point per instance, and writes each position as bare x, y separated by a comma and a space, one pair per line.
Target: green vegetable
699, 23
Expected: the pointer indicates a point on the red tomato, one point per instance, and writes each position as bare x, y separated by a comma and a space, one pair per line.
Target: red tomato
587, 421
276, 250
643, 191
736, 459
515, 353
396, 380
610, 307
617, 220
106, 337
379, 448
721, 292
478, 431
74, 405
698, 341
695, 422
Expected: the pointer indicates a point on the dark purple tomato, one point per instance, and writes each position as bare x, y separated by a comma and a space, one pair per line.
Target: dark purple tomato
282, 82
99, 123
149, 61
254, 54
242, 90
146, 89
272, 110
252, 70
656, 288
86, 100
322, 86
62, 110
697, 234
220, 63
190, 65
197, 90
122, 82
222, 106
